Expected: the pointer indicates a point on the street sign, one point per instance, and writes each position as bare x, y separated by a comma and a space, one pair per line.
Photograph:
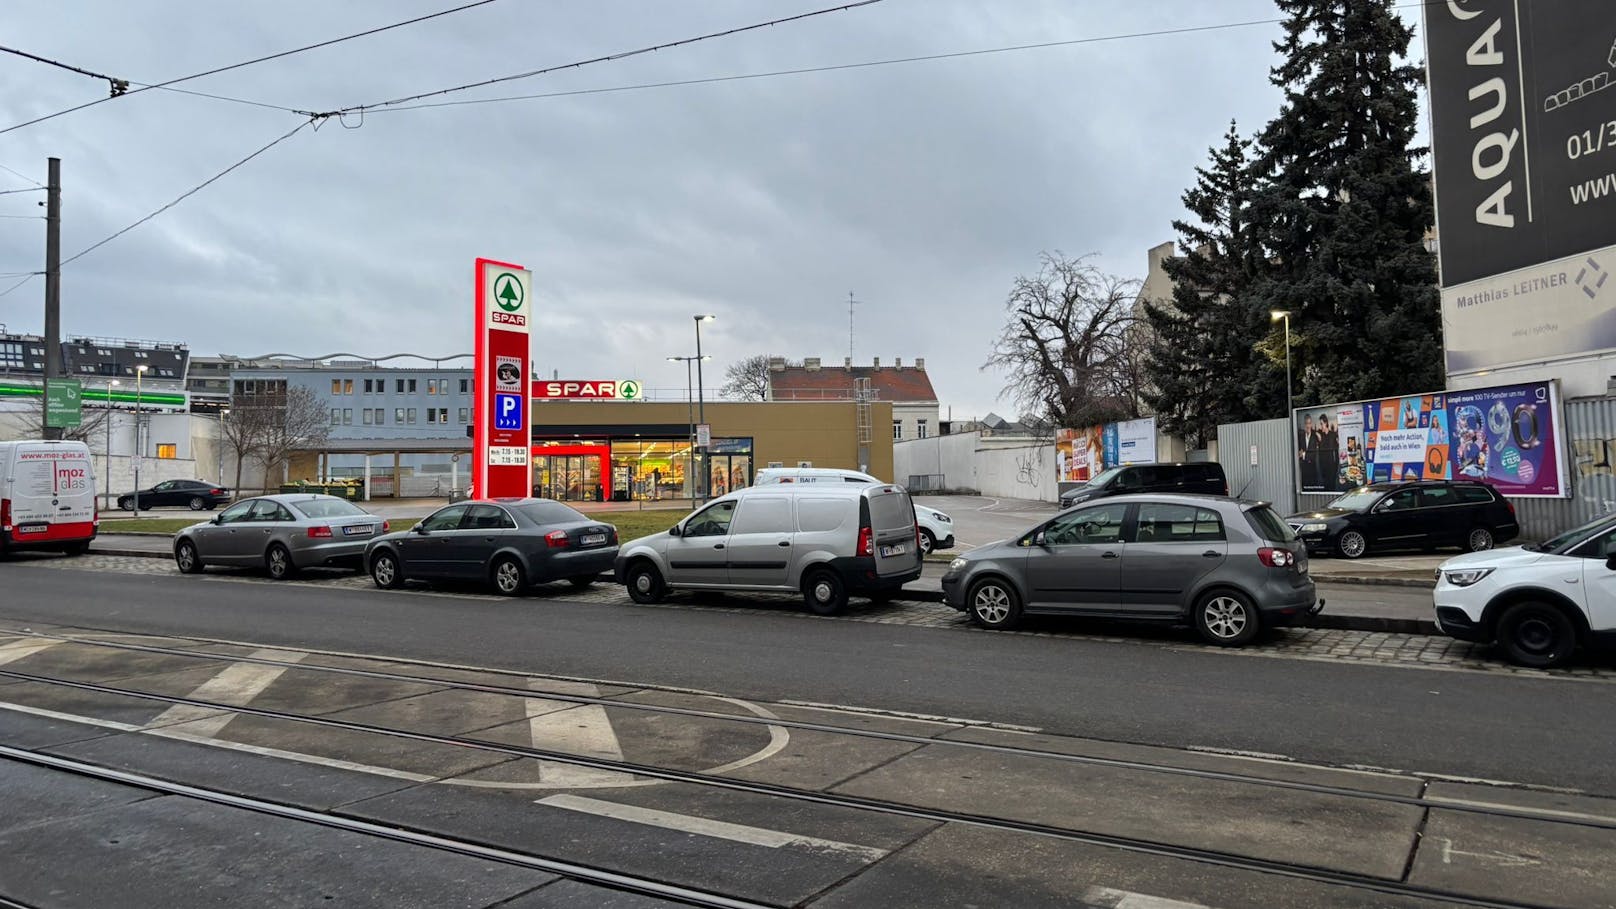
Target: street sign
704, 435
63, 403
1253, 456
501, 433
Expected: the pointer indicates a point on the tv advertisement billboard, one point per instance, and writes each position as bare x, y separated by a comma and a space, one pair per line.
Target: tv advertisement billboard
1523, 129
1508, 436
1080, 454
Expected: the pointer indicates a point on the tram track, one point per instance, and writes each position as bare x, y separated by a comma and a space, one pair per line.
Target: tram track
1132, 844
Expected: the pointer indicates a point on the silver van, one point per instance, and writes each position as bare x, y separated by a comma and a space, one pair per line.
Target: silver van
825, 541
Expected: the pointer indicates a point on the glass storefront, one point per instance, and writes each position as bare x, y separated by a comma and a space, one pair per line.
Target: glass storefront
638, 470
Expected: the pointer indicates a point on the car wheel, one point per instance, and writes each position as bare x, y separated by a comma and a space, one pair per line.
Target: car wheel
187, 558
77, 548
126, 504
1537, 635
1352, 544
1227, 618
581, 581
927, 542
1480, 540
197, 503
384, 571
278, 562
509, 581
824, 593
994, 605
645, 584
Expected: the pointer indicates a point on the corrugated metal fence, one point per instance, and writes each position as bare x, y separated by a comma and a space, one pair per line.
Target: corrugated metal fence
1270, 478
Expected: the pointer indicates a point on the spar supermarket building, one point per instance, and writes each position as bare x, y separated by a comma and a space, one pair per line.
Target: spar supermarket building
407, 430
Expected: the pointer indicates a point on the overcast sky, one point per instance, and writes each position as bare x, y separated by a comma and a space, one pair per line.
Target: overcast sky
923, 188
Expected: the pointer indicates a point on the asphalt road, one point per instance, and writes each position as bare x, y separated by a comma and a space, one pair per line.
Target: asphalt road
1539, 731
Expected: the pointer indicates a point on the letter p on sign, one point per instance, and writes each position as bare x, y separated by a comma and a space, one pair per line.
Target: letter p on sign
508, 412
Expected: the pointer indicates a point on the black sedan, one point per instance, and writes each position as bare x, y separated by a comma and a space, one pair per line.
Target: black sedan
193, 494
1420, 515
510, 544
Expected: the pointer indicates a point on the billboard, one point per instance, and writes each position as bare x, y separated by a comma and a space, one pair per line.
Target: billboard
1523, 129
502, 433
1080, 454
1507, 436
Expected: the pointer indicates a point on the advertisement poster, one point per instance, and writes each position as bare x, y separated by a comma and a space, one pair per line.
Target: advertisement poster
1506, 436
1080, 454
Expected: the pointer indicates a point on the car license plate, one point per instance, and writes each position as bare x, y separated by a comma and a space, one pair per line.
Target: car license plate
40, 527
594, 539
895, 550
358, 530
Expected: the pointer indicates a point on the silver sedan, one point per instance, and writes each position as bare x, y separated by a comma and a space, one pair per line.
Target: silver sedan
281, 533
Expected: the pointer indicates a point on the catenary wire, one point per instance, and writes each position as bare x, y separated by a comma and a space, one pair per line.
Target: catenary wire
167, 85
621, 55
8, 192
22, 176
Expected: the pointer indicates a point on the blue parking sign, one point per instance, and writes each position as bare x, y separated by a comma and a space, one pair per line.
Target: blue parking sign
507, 412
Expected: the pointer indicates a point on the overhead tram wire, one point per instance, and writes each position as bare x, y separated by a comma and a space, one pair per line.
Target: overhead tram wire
621, 55
22, 176
168, 84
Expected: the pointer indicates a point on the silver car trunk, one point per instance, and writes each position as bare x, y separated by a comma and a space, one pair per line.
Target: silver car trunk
892, 524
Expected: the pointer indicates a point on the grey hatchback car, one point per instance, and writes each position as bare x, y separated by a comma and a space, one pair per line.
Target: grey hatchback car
280, 533
1226, 566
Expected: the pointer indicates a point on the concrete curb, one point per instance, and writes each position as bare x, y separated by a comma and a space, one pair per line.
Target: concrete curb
132, 553
1375, 582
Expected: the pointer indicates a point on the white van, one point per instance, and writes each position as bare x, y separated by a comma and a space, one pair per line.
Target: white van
936, 528
825, 541
47, 496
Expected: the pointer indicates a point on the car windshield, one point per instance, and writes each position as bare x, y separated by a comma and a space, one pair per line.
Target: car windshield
550, 513
1265, 522
1558, 545
1105, 476
1359, 499
327, 508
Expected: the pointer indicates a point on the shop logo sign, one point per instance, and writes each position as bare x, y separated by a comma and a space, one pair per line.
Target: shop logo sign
1592, 278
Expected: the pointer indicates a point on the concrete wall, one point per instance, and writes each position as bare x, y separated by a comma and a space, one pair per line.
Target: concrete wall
1018, 473
953, 458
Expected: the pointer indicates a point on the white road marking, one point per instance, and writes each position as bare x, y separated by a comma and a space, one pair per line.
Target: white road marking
173, 732
1501, 859
582, 729
16, 650
685, 823
1106, 898
236, 685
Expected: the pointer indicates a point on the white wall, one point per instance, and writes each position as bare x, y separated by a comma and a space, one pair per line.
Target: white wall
1018, 473
953, 457
1583, 378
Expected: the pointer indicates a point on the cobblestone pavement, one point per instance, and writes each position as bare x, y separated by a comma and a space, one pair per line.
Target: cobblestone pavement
1354, 647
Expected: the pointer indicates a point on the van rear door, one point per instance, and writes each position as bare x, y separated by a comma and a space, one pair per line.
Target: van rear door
49, 494
892, 525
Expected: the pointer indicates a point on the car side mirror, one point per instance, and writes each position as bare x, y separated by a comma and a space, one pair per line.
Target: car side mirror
420, 529
675, 531
216, 519
1038, 539
1610, 563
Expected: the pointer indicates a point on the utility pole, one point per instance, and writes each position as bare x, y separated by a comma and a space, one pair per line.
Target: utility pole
850, 304
53, 286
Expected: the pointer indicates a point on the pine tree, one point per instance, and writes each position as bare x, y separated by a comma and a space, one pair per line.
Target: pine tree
1343, 209
1203, 366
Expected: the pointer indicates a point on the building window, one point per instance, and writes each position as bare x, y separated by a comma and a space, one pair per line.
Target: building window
400, 388
347, 386
464, 415
336, 416
443, 415
398, 415
897, 430
412, 386
369, 416
369, 385
347, 416
409, 416
920, 429
336, 386
465, 387
167, 451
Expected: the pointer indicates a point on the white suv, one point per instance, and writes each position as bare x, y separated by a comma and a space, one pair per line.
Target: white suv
1537, 602
936, 528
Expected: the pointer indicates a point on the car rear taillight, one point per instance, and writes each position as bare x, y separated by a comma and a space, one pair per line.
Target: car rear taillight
1276, 558
387, 526
319, 533
1511, 506
5, 515
215, 492
556, 539
866, 542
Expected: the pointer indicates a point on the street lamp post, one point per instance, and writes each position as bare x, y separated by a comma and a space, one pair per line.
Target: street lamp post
140, 372
1284, 315
690, 415
110, 386
701, 398
218, 446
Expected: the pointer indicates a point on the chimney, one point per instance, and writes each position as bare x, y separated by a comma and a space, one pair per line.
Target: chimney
920, 363
897, 362
847, 362
876, 363
777, 364
811, 364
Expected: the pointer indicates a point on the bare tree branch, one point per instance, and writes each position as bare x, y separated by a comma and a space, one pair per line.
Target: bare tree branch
748, 379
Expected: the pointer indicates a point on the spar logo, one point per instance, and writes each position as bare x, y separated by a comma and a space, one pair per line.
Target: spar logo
509, 298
